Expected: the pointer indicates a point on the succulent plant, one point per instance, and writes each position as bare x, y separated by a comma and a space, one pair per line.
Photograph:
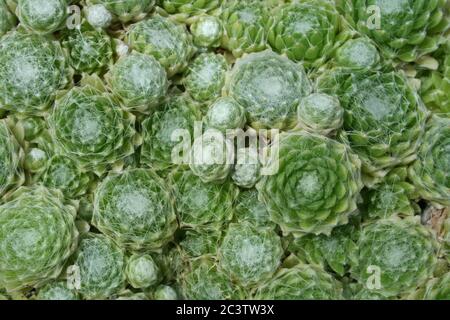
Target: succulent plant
405, 30
316, 186
225, 114
37, 236
7, 19
247, 170
205, 77
167, 41
126, 11
141, 271
249, 208
249, 254
57, 290
201, 241
384, 118
139, 81
32, 69
11, 155
165, 293
136, 209
181, 10
307, 31
98, 267
435, 89
212, 156
430, 172
207, 31
245, 26
159, 132
320, 113
300, 282
392, 196
42, 16
98, 16
434, 289
394, 256
90, 51
64, 174
88, 125
357, 54
269, 87
200, 203
335, 252
205, 281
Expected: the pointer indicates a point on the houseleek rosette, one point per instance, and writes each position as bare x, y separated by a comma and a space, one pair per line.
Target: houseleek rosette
201, 241
11, 156
37, 235
205, 77
57, 290
395, 256
225, 114
430, 172
64, 174
98, 16
165, 293
207, 31
32, 69
212, 156
250, 254
316, 186
168, 42
404, 29
249, 208
300, 282
160, 132
269, 87
90, 51
333, 252
247, 170
320, 113
182, 10
139, 81
435, 89
307, 31
126, 11
384, 118
358, 53
88, 125
199, 203
391, 197
203, 280
136, 209
245, 26
42, 16
97, 271
141, 271
7, 19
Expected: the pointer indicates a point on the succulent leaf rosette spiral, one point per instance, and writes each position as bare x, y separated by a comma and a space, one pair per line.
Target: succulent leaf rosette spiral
37, 236
430, 173
182, 10
384, 118
394, 256
245, 26
250, 254
269, 87
316, 186
141, 271
57, 290
435, 89
88, 125
136, 209
207, 31
167, 41
404, 29
225, 114
32, 70
307, 31
42, 16
97, 271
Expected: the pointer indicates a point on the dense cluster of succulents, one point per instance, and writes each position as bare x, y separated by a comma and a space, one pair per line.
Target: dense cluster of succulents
224, 149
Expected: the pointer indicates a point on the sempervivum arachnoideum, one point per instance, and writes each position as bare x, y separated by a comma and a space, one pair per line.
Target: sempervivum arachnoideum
315, 183
126, 11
